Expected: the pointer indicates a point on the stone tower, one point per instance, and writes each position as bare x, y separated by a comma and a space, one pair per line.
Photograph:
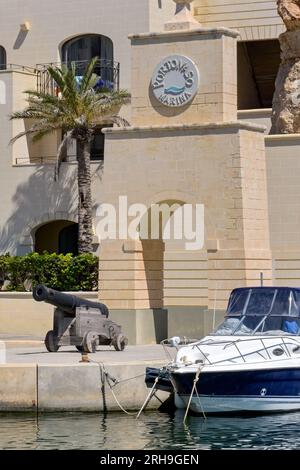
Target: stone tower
185, 144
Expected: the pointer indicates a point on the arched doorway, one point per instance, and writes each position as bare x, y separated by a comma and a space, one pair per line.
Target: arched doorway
3, 63
158, 239
59, 236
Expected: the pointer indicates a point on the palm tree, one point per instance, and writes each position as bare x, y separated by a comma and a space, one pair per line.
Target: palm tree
77, 112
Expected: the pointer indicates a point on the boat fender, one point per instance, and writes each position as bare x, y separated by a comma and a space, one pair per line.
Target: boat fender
175, 341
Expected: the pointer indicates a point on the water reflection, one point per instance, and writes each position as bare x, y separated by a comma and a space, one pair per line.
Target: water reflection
152, 431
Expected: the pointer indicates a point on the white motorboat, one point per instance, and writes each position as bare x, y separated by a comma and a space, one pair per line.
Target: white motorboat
250, 363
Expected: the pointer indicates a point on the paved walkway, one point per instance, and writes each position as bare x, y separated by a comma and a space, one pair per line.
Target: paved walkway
29, 349
69, 355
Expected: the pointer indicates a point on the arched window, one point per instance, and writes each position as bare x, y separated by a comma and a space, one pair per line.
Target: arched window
2, 58
82, 49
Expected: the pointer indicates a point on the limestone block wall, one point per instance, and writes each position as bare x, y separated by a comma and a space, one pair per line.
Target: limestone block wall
251, 178
185, 278
236, 268
286, 266
247, 222
283, 173
221, 166
131, 274
256, 19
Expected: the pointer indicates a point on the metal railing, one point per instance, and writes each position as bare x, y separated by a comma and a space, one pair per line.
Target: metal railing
51, 159
108, 72
280, 343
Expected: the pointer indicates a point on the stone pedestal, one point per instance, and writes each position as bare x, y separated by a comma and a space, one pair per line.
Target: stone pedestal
183, 18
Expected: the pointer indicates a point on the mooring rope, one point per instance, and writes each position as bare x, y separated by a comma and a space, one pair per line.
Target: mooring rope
197, 376
130, 413
202, 410
149, 396
108, 378
117, 381
130, 378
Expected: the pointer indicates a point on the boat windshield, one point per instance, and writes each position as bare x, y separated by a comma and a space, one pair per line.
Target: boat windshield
259, 310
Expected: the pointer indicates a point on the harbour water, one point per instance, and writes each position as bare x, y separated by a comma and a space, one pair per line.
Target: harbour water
153, 431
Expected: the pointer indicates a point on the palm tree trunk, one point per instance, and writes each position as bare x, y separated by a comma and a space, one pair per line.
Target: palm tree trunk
85, 224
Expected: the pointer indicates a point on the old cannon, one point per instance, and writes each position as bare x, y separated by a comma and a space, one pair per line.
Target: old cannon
79, 322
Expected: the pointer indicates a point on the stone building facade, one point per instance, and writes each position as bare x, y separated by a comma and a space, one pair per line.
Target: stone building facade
217, 151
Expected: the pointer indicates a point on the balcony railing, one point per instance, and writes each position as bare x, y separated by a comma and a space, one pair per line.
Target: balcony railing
17, 68
52, 159
108, 72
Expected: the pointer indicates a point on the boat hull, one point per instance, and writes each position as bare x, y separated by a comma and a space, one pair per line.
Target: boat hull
272, 390
226, 404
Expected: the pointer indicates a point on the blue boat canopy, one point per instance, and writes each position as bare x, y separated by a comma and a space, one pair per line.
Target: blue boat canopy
267, 310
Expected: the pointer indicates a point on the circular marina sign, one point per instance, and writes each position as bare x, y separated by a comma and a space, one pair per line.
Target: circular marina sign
175, 81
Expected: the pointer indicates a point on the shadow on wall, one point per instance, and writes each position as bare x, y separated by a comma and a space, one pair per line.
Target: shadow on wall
20, 39
36, 201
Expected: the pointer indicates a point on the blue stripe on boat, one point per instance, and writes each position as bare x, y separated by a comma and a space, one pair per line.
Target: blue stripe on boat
279, 382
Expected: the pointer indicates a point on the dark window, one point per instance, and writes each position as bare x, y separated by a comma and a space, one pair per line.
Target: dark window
82, 49
258, 64
97, 146
2, 58
68, 240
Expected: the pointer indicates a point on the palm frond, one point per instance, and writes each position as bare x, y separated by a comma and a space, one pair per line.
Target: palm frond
118, 120
40, 96
88, 75
21, 134
58, 76
37, 131
79, 109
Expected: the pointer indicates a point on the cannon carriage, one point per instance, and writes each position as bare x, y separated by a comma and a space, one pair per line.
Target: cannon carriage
79, 322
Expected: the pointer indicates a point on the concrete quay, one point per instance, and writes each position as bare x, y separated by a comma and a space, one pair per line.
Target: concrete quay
34, 380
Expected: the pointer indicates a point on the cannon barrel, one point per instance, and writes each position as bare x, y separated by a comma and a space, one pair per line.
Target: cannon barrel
66, 302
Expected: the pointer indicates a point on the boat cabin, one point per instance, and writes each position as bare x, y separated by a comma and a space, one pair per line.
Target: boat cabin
262, 310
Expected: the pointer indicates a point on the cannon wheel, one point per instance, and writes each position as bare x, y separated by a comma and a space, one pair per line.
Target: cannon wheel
90, 342
120, 342
51, 342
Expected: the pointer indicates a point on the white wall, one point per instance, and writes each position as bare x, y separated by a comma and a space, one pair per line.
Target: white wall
52, 22
29, 195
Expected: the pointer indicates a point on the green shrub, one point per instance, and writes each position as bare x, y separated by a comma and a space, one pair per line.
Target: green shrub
60, 272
